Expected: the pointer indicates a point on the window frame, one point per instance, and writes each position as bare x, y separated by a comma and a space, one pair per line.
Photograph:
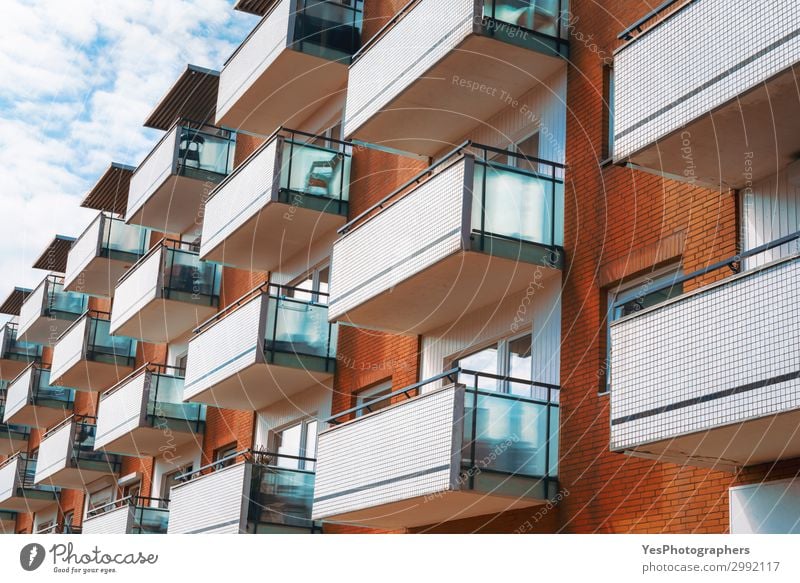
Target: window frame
503, 361
303, 422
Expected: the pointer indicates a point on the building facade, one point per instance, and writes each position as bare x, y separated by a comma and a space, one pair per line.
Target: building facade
433, 266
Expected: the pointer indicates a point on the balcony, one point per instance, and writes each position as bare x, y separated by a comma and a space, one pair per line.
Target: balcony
256, 221
13, 438
293, 60
449, 453
408, 266
165, 294
102, 254
49, 310
18, 492
168, 188
60, 529
250, 493
31, 400
145, 414
130, 515
8, 522
67, 457
740, 97
710, 378
411, 86
272, 343
15, 354
87, 358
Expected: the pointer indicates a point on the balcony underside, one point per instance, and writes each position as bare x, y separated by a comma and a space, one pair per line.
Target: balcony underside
717, 147
76, 478
286, 93
260, 385
30, 501
10, 445
152, 441
90, 375
276, 233
163, 320
755, 441
46, 330
432, 510
443, 293
41, 416
434, 113
175, 206
99, 277
10, 369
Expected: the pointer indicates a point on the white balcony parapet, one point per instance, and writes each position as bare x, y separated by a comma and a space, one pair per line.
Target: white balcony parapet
15, 353
712, 378
33, 402
284, 197
17, 489
409, 266
129, 515
697, 90
49, 310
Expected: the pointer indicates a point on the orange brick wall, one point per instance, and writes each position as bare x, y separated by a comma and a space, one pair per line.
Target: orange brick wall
376, 14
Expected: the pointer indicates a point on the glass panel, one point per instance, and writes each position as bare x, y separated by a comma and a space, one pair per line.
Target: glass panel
539, 15
150, 520
329, 29
288, 442
187, 278
61, 302
205, 150
166, 402
84, 452
517, 204
520, 364
281, 496
529, 147
103, 347
511, 435
46, 394
15, 349
482, 361
309, 169
296, 327
121, 239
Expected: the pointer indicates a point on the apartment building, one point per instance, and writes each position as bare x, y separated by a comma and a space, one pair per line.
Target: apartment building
431, 266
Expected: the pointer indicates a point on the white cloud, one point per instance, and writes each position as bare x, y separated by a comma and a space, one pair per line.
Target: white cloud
78, 80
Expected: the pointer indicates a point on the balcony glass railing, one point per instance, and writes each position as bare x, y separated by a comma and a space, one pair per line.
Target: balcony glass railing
62, 304
204, 150
26, 471
165, 402
150, 515
101, 346
122, 242
44, 395
14, 349
83, 454
9, 430
330, 29
545, 20
317, 170
186, 277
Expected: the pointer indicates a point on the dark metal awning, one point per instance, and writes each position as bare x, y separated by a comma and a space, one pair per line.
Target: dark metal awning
110, 193
257, 7
13, 302
193, 96
54, 256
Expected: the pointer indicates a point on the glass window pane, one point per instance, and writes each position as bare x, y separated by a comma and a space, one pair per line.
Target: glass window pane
288, 442
520, 364
311, 440
482, 361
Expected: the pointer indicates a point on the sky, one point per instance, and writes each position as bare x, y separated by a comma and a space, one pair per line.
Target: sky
77, 80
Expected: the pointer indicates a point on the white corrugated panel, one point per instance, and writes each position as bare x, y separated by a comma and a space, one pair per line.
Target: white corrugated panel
412, 234
771, 210
121, 412
54, 452
230, 345
141, 286
740, 332
425, 35
257, 53
399, 453
8, 480
707, 54
117, 521
18, 392
213, 504
69, 349
152, 172
765, 508
84, 250
239, 198
32, 307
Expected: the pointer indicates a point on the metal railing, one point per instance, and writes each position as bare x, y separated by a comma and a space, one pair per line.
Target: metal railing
134, 500
649, 21
84, 429
251, 455
14, 349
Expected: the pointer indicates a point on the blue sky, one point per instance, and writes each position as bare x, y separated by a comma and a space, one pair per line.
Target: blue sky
77, 80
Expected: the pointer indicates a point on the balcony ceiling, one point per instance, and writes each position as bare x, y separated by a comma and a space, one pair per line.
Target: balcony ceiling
13, 302
257, 7
193, 96
54, 256
110, 194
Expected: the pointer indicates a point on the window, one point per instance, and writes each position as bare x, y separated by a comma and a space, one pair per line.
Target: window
636, 295
309, 287
100, 498
69, 517
169, 480
608, 111
510, 357
298, 440
131, 490
180, 363
528, 147
225, 455
374, 395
